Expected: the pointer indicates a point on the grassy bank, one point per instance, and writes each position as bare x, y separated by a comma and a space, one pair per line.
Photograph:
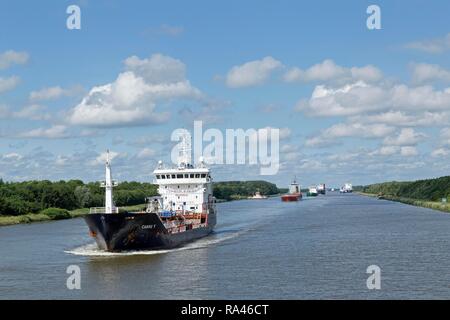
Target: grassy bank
445, 207
40, 217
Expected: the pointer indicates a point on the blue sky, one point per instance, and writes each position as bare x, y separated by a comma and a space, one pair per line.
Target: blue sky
352, 104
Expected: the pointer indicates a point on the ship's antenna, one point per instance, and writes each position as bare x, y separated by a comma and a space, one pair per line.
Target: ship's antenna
185, 151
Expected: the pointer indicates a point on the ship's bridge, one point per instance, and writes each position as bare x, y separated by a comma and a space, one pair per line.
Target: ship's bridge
185, 189
182, 176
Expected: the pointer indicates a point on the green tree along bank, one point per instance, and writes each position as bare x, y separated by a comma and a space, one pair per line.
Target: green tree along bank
232, 190
32, 198
429, 189
426, 193
19, 198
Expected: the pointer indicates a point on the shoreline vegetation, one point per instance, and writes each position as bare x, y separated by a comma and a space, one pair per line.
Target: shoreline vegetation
40, 201
445, 207
42, 217
428, 193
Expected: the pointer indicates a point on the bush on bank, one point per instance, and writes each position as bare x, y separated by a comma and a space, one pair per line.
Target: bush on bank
56, 213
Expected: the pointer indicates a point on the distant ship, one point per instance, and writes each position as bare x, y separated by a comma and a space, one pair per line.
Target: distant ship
257, 196
184, 211
321, 189
294, 194
346, 188
312, 192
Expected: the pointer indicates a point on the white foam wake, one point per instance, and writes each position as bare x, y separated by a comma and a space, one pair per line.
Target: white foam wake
92, 250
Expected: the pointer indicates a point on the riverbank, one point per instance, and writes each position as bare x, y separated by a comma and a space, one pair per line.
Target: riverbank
240, 197
39, 217
445, 207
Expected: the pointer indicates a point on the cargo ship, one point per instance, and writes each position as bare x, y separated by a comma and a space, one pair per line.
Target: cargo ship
312, 192
185, 210
321, 189
294, 194
346, 188
257, 196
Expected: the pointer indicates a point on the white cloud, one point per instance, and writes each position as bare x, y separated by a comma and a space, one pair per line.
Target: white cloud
437, 45
53, 93
327, 71
440, 152
32, 112
445, 136
149, 140
61, 160
360, 97
132, 98
408, 151
348, 100
367, 73
101, 159
12, 156
210, 111
346, 130
311, 164
7, 84
386, 151
252, 73
10, 57
406, 137
285, 133
400, 118
424, 72
424, 97
146, 153
268, 108
54, 132
293, 74
157, 69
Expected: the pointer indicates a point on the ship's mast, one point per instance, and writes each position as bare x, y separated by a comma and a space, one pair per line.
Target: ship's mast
185, 151
109, 184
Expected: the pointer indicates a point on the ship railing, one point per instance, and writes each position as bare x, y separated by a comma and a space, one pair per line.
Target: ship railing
103, 210
183, 227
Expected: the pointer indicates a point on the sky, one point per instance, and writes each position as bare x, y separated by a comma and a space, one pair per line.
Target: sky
352, 104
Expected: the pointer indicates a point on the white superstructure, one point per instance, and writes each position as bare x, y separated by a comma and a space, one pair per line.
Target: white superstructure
347, 188
312, 189
185, 189
294, 187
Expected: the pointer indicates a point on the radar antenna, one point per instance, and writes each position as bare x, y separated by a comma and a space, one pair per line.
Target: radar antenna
185, 151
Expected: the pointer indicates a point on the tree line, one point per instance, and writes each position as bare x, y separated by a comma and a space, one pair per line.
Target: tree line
427, 189
230, 190
18, 198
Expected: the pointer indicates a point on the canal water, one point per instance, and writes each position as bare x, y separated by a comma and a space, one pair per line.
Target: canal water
318, 248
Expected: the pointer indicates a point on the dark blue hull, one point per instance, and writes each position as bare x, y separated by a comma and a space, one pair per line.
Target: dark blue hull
140, 231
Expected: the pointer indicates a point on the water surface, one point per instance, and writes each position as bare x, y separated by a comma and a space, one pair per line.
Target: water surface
262, 249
